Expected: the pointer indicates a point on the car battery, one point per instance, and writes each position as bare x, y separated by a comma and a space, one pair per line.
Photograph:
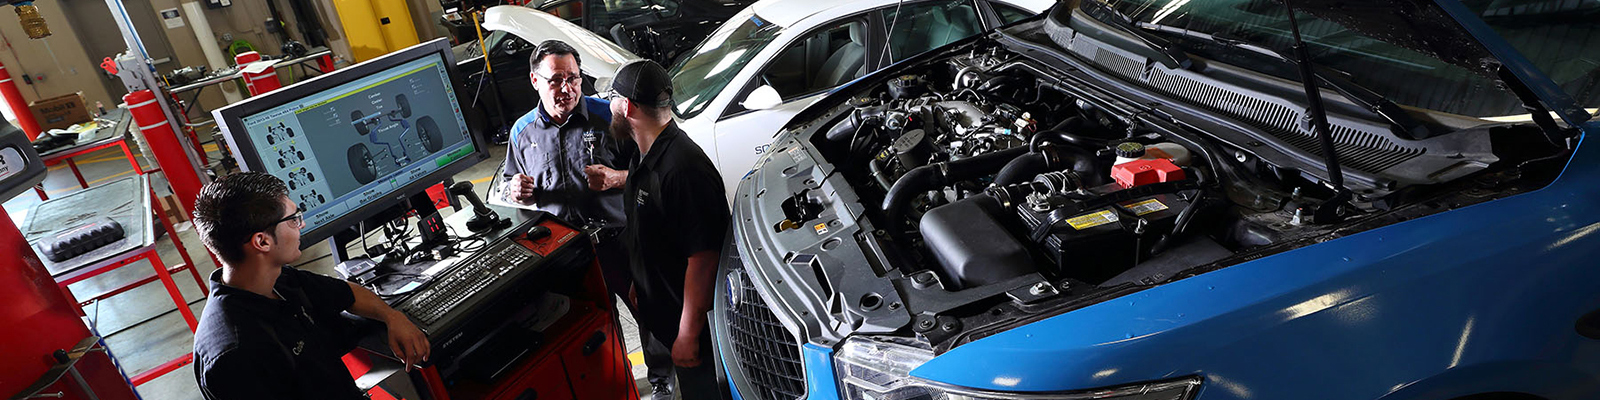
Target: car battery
1096, 244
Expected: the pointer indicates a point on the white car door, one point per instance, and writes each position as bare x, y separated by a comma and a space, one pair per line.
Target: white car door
807, 67
745, 137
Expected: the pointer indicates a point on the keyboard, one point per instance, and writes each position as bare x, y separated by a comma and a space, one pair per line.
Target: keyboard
466, 279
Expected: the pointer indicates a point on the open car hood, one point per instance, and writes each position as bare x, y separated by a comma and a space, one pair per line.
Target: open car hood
1451, 32
601, 58
1446, 30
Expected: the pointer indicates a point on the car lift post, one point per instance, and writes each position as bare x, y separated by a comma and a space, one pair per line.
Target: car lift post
177, 158
19, 107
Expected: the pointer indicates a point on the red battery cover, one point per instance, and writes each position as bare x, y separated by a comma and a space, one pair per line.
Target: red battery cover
1147, 171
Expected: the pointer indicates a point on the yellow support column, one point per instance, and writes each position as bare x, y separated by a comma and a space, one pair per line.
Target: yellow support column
394, 19
361, 29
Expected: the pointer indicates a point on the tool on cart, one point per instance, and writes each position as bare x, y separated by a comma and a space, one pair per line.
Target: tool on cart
71, 242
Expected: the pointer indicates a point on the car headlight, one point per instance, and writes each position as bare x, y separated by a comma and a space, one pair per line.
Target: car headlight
873, 370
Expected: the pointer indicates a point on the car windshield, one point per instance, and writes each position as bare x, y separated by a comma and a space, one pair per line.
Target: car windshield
1559, 37
697, 78
1403, 75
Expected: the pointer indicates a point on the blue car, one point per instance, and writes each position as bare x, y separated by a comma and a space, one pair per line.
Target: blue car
1165, 199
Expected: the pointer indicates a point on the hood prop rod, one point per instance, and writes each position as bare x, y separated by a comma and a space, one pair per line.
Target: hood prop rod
1328, 211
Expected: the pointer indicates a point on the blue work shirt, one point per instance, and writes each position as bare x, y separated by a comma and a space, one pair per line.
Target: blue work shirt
555, 155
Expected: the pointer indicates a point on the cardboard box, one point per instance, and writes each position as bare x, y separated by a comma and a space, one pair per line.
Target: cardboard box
174, 213
60, 112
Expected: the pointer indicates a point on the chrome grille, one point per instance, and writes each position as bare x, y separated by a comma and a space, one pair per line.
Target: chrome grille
767, 353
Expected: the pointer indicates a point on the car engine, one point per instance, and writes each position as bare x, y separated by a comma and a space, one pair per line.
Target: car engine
984, 168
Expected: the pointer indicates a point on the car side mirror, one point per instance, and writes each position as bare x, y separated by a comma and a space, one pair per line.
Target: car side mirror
764, 97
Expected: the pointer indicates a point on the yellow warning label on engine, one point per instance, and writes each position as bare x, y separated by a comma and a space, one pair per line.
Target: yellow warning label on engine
1145, 207
1091, 220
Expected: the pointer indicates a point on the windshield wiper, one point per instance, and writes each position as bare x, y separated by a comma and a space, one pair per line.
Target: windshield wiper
1406, 126
1328, 211
1168, 54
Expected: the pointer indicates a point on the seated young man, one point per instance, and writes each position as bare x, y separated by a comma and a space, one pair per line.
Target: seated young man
270, 331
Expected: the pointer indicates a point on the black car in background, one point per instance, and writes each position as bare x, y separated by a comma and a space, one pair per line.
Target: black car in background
659, 30
656, 29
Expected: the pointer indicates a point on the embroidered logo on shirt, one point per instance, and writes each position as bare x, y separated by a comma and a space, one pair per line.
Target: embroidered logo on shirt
642, 196
299, 346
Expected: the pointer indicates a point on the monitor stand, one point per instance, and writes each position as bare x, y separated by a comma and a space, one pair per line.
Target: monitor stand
419, 203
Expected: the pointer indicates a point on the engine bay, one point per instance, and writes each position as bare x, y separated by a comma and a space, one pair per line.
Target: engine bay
984, 168
986, 187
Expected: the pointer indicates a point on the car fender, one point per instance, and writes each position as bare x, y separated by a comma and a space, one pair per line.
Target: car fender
1543, 379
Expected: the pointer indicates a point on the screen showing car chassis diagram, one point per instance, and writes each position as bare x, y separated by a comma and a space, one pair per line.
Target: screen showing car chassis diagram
344, 147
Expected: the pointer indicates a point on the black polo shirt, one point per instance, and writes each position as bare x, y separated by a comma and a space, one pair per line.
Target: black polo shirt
252, 347
676, 207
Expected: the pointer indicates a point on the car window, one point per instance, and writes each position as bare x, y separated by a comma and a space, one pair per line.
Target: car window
1009, 13
830, 57
572, 11
605, 13
1409, 76
1559, 38
697, 78
925, 26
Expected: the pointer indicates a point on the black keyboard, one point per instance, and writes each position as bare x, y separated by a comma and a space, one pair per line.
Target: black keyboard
462, 281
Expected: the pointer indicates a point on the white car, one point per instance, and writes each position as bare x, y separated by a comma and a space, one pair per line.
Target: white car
771, 60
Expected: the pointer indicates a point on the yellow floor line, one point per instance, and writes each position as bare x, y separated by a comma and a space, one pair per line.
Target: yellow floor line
109, 157
101, 160
117, 175
113, 156
480, 181
636, 358
91, 183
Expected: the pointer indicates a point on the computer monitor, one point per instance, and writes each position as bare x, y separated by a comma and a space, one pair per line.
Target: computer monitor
360, 140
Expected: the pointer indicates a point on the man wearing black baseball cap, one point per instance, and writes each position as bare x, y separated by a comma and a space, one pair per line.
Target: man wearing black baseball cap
560, 160
677, 216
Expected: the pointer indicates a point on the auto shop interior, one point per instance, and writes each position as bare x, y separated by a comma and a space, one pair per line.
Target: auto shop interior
882, 199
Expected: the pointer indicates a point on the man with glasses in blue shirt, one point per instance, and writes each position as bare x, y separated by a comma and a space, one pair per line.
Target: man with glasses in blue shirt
270, 331
551, 146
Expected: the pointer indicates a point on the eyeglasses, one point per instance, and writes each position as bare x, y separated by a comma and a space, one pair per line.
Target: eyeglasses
297, 220
557, 81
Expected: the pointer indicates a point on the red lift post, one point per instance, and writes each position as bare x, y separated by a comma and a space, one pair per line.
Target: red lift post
19, 107
166, 145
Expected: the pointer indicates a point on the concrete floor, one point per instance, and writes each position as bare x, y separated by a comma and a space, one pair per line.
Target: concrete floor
142, 346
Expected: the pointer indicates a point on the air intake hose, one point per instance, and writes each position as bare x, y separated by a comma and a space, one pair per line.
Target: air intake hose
934, 176
1049, 158
854, 122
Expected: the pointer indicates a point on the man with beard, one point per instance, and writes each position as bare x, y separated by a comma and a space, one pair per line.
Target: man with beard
677, 216
560, 160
